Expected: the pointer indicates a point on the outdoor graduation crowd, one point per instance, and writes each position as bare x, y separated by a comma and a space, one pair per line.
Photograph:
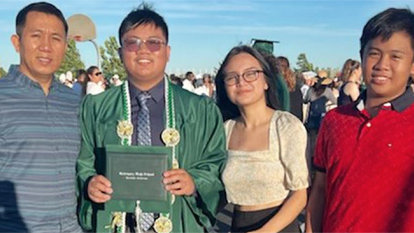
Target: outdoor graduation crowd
347, 168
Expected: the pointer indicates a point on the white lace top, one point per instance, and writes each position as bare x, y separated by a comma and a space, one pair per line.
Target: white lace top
260, 177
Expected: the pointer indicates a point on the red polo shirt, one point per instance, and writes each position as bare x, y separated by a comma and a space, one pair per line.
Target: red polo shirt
369, 165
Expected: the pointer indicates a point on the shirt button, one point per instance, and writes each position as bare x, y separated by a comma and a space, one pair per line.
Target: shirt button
369, 124
389, 145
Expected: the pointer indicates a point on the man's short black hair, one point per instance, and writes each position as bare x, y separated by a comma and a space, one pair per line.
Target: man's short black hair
188, 74
43, 7
385, 24
144, 14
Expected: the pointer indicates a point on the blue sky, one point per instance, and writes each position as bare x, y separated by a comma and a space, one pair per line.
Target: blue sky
203, 31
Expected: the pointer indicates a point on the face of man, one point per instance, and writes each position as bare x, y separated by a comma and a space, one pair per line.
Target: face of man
387, 65
42, 45
145, 63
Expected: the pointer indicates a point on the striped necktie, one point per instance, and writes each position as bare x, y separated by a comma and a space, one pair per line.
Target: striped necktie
144, 139
144, 128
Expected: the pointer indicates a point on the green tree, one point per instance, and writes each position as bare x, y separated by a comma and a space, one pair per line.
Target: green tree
303, 63
111, 63
2, 72
72, 61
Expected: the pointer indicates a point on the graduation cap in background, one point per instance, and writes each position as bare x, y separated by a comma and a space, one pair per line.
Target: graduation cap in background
265, 46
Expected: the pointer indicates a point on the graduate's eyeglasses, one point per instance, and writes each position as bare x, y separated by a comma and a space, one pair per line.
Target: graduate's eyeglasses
134, 44
97, 73
248, 76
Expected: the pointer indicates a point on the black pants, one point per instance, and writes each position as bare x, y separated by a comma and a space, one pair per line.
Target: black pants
253, 220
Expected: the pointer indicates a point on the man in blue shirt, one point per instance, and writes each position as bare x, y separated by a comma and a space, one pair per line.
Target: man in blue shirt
39, 129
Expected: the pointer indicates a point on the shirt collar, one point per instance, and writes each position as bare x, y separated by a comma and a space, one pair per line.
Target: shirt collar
18, 77
399, 104
157, 92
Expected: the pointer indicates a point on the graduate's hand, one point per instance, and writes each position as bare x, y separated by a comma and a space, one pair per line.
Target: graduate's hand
179, 182
99, 189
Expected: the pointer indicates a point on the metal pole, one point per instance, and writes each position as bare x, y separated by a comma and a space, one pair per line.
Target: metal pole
97, 53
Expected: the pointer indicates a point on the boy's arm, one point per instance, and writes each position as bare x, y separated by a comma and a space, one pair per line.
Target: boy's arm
316, 205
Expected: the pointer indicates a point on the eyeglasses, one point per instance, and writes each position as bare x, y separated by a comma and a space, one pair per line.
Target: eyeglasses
97, 73
152, 44
248, 76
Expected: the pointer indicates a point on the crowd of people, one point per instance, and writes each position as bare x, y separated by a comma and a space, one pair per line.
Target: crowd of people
90, 81
255, 135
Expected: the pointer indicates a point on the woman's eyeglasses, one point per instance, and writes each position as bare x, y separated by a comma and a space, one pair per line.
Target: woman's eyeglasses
134, 44
97, 73
248, 76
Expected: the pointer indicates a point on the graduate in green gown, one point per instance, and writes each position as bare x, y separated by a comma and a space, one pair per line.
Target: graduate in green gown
200, 152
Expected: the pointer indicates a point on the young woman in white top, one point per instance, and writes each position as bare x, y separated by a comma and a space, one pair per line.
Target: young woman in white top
266, 175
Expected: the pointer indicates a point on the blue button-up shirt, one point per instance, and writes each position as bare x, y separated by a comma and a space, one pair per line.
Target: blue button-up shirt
39, 144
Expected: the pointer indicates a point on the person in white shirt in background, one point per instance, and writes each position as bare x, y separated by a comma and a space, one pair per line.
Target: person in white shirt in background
66, 79
96, 83
207, 88
188, 82
115, 81
69, 79
309, 78
62, 78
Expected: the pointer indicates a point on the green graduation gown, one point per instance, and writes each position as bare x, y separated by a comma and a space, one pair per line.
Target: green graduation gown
201, 152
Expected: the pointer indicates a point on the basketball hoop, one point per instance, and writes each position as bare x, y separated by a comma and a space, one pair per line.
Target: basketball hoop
77, 38
82, 29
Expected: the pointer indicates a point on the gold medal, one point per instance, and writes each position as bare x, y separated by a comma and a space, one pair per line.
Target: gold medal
163, 225
170, 136
124, 129
117, 222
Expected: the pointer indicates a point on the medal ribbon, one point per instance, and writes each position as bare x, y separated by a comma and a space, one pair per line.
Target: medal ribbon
126, 140
170, 115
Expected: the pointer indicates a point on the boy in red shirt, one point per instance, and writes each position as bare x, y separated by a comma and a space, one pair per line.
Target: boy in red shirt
365, 152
